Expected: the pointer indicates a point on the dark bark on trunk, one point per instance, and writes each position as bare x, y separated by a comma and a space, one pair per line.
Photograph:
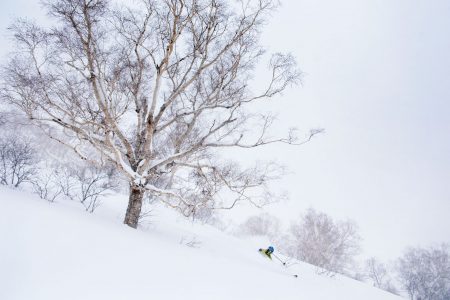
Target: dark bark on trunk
134, 206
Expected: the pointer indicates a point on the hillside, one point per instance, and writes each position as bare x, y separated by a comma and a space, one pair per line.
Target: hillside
58, 251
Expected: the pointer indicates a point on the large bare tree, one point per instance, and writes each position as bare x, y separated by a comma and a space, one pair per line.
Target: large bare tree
156, 88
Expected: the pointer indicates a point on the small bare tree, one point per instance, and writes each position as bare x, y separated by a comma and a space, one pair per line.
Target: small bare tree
262, 225
425, 273
18, 161
87, 184
47, 186
156, 89
320, 241
65, 179
378, 274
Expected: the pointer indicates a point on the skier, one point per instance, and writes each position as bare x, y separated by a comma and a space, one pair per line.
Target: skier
268, 252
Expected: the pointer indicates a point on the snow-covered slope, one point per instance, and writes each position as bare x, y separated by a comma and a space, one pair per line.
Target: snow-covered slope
57, 251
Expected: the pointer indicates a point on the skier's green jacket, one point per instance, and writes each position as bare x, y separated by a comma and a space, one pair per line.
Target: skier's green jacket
266, 252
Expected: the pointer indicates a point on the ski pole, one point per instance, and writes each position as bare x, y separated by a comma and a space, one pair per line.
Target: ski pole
284, 263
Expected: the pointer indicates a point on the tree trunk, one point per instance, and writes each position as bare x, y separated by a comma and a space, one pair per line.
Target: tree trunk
134, 206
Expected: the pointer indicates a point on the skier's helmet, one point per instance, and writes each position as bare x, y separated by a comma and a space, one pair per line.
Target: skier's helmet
271, 249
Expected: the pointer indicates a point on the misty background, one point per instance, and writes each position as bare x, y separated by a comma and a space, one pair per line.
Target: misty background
377, 78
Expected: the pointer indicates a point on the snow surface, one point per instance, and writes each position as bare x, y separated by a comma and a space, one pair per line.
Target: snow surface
58, 251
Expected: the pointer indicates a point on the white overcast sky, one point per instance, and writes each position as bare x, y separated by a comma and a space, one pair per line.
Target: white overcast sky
377, 78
